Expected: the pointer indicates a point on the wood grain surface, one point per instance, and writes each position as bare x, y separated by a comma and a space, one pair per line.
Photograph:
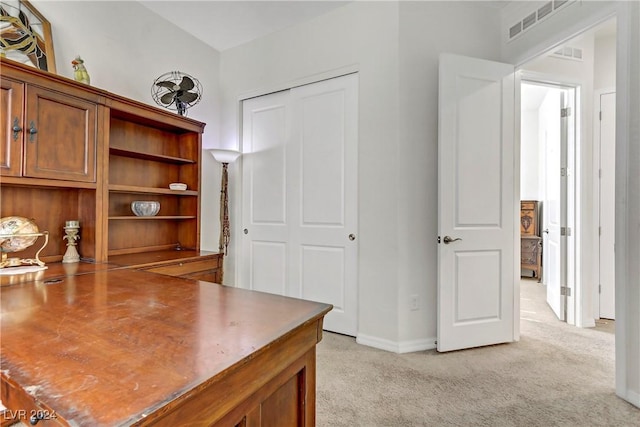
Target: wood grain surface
117, 346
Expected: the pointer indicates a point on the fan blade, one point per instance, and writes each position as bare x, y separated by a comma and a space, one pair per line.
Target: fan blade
167, 98
186, 83
188, 97
168, 85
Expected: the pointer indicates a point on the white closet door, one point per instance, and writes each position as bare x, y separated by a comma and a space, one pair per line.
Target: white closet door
300, 196
265, 250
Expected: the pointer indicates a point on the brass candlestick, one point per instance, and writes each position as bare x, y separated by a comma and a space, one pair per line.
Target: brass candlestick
71, 230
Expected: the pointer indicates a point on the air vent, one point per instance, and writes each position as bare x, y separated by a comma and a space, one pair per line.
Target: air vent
515, 30
545, 10
532, 18
559, 3
528, 21
568, 52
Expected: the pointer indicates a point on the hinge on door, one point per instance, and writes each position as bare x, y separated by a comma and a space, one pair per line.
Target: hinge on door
600, 116
599, 173
565, 112
565, 231
563, 171
566, 291
599, 231
599, 289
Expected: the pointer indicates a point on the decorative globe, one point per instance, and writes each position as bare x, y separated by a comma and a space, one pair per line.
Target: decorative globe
10, 229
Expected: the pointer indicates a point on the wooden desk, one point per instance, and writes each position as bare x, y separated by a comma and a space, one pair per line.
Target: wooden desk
124, 347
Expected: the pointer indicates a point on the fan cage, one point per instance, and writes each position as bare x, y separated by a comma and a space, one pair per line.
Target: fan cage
176, 77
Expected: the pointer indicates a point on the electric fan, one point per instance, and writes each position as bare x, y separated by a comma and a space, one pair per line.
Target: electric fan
176, 90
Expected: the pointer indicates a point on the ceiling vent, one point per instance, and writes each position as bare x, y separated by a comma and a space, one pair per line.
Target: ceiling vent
533, 17
568, 52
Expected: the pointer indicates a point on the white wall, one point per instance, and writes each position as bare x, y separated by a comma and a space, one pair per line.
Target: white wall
426, 30
361, 36
530, 188
604, 71
125, 48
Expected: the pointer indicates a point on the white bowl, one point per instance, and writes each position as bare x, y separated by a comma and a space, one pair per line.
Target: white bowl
145, 207
177, 186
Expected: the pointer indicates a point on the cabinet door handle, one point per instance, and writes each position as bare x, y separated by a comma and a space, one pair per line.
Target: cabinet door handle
32, 131
16, 129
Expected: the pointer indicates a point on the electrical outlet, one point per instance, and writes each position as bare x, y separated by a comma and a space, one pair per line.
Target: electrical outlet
415, 303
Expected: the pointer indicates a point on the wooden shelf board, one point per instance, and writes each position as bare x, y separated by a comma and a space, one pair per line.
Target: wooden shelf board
163, 217
49, 183
118, 188
125, 251
149, 156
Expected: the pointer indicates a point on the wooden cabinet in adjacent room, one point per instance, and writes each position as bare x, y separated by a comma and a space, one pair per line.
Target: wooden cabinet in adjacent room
530, 239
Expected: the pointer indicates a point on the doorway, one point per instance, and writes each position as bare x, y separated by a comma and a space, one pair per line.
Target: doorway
582, 68
548, 138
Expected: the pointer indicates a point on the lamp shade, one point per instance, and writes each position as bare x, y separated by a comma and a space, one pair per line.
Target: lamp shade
224, 156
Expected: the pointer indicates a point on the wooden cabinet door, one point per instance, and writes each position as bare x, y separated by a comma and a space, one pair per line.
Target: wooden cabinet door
11, 131
60, 136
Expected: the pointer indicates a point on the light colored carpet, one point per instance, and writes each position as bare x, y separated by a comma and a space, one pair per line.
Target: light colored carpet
556, 375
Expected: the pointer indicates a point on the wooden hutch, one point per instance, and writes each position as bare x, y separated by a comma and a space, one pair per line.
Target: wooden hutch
75, 152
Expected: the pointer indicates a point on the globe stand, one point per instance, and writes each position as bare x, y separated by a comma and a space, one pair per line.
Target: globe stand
71, 255
16, 262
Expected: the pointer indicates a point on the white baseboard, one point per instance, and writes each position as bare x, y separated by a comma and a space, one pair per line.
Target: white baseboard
633, 398
396, 346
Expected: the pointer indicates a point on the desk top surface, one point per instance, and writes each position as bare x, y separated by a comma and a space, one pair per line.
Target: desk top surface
107, 348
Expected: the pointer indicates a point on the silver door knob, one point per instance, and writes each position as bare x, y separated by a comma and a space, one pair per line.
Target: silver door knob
352, 237
449, 239
245, 231
546, 230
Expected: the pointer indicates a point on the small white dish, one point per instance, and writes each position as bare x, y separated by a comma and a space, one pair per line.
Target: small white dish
178, 186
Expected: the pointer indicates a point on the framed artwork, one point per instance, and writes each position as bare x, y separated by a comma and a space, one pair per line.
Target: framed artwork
25, 35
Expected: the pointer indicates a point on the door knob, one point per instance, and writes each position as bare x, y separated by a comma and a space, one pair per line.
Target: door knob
352, 237
449, 239
546, 230
245, 231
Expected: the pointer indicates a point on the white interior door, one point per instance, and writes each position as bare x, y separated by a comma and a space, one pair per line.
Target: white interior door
477, 203
300, 196
553, 133
607, 204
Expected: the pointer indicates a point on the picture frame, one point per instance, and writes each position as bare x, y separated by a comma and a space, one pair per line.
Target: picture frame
25, 35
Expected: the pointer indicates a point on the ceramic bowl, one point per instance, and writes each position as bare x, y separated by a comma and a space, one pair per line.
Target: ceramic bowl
145, 207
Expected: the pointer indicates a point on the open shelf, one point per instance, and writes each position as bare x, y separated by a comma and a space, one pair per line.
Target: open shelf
146, 218
117, 188
149, 156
